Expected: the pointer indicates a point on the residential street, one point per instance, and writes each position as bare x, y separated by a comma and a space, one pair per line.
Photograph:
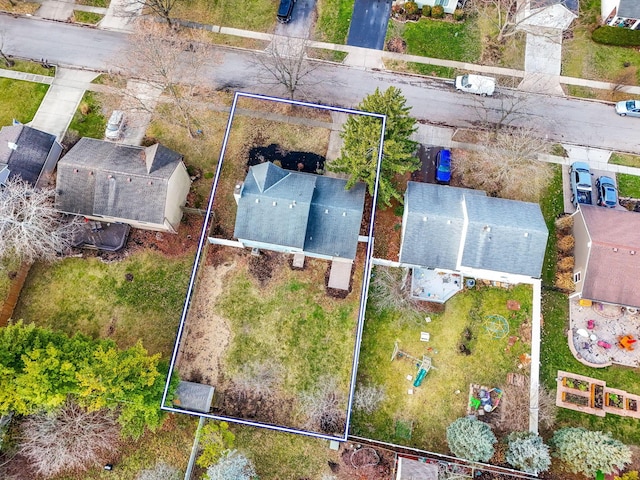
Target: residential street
579, 122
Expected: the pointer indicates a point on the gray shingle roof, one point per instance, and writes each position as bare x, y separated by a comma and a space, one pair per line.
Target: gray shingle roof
33, 147
433, 226
123, 181
629, 9
310, 212
505, 236
501, 235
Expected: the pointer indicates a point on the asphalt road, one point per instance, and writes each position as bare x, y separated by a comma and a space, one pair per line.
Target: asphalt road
574, 121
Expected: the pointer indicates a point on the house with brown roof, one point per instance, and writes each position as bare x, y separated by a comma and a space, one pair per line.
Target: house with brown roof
145, 187
607, 255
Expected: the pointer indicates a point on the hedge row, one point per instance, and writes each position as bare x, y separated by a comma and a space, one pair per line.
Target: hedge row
619, 36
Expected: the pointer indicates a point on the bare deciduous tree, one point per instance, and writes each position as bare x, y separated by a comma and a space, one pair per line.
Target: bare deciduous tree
69, 439
3, 45
161, 471
325, 407
505, 109
161, 8
171, 63
30, 227
514, 416
391, 287
285, 64
507, 165
368, 398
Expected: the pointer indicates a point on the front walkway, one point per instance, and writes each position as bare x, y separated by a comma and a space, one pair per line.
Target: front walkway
599, 346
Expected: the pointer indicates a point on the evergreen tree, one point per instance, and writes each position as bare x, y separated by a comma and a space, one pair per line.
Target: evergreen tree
527, 452
586, 452
361, 135
471, 439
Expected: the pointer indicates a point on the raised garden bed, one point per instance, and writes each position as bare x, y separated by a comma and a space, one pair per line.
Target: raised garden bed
576, 399
615, 400
576, 384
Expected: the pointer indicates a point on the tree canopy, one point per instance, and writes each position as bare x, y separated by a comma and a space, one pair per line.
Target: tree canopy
40, 368
361, 135
584, 451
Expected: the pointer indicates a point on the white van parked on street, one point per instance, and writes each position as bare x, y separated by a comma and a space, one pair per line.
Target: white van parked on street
476, 84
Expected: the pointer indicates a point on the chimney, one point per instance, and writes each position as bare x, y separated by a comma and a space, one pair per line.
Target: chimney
237, 192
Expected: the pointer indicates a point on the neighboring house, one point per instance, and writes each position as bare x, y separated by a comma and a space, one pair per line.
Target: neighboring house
294, 212
607, 255
449, 6
464, 231
109, 182
621, 13
28, 153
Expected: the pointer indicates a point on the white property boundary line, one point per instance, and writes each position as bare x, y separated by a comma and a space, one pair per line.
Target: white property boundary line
201, 242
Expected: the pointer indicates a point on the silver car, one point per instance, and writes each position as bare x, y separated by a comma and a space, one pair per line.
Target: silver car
115, 125
628, 107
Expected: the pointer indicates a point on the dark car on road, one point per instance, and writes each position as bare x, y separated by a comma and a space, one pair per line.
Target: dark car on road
443, 167
284, 10
607, 193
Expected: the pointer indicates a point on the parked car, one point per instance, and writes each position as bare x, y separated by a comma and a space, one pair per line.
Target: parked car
477, 84
628, 107
443, 167
580, 179
607, 193
115, 125
284, 10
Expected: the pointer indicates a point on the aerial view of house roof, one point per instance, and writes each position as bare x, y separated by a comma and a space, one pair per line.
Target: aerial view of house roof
108, 179
448, 227
312, 213
613, 257
25, 151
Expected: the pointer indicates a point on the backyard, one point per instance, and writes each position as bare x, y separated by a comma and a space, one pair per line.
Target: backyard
265, 334
463, 351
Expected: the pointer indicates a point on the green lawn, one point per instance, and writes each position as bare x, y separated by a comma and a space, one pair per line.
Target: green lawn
28, 66
256, 15
291, 323
19, 100
628, 185
94, 3
552, 205
443, 396
89, 296
91, 123
333, 21
87, 17
625, 159
440, 39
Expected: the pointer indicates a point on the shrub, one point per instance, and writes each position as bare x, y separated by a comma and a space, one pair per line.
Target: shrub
564, 281
528, 453
367, 399
215, 440
622, 37
586, 452
411, 8
566, 264
232, 465
437, 11
458, 14
426, 11
566, 244
471, 439
633, 475
564, 224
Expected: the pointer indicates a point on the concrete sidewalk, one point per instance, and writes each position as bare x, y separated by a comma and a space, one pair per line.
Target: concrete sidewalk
61, 101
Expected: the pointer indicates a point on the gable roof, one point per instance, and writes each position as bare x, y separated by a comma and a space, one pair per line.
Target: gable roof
31, 152
305, 211
505, 236
434, 223
612, 268
449, 227
629, 9
103, 178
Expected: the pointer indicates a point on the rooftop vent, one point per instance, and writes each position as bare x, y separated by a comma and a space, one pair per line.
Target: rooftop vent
326, 210
12, 145
257, 200
274, 203
344, 214
424, 219
526, 234
615, 249
632, 252
486, 228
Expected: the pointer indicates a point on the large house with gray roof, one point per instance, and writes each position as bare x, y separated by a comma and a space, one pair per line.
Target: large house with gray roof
145, 187
295, 212
621, 13
607, 255
27, 153
465, 231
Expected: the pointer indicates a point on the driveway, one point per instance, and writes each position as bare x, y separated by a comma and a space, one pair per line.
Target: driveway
301, 19
369, 23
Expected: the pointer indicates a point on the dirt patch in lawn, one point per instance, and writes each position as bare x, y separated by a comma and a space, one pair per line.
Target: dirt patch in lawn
207, 335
